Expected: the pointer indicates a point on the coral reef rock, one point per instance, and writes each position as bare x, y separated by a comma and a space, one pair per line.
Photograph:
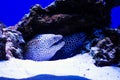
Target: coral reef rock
106, 51
2, 44
11, 43
66, 17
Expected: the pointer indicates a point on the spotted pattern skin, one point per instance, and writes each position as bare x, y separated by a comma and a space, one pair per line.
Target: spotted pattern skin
72, 46
43, 47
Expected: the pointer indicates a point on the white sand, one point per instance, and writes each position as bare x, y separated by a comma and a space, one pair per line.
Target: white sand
80, 65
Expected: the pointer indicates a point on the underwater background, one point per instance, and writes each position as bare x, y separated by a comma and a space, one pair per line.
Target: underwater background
11, 11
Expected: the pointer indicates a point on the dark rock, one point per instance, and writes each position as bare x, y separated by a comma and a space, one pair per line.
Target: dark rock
2, 48
11, 44
92, 40
2, 43
105, 51
66, 17
14, 43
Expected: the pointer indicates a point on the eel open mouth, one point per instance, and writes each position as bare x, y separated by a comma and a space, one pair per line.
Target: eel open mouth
58, 40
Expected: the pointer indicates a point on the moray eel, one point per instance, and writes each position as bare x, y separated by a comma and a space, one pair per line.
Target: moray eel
43, 47
73, 45
48, 46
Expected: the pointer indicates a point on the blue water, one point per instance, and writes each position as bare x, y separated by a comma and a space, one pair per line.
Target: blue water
115, 17
49, 77
11, 11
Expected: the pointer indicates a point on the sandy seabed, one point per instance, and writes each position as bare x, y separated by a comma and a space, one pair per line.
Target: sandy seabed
79, 65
